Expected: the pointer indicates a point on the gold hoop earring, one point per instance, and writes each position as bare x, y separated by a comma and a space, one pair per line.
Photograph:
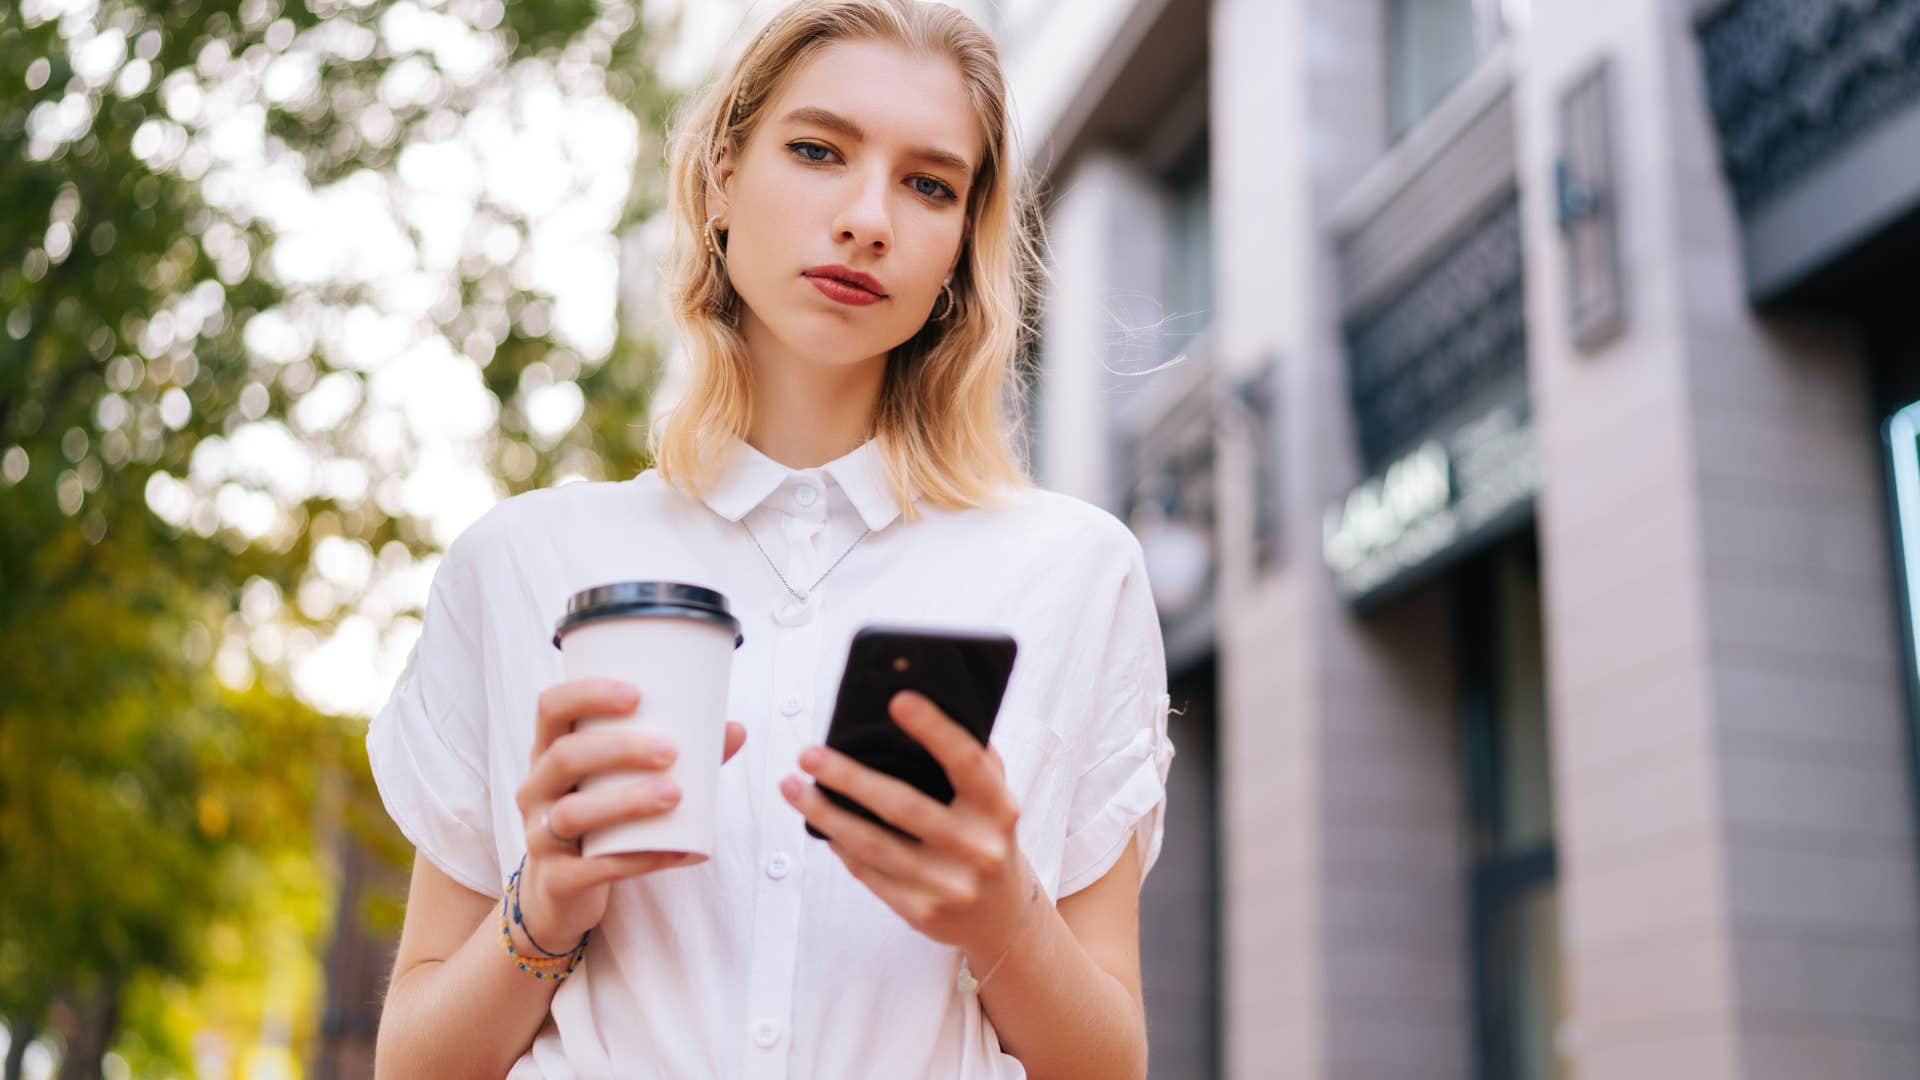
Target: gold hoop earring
713, 239
946, 291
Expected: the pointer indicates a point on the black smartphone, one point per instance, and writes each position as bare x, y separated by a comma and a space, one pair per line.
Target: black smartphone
964, 672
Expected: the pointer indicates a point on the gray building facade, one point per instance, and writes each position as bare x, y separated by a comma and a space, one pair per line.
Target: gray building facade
1513, 399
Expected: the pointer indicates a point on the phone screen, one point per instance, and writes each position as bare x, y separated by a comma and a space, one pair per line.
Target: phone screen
964, 672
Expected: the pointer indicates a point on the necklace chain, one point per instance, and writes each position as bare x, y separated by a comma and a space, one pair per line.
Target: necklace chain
801, 596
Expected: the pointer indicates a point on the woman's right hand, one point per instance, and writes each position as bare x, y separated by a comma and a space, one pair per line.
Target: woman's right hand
563, 894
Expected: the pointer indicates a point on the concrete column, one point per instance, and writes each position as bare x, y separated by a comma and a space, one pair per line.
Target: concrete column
1109, 235
1341, 817
1736, 848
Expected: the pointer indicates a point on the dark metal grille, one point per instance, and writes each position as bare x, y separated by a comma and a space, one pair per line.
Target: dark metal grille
1453, 332
1791, 81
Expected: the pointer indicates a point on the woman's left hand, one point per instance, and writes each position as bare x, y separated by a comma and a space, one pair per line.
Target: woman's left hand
963, 884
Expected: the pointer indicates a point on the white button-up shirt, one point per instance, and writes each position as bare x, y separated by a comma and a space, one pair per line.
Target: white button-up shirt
771, 960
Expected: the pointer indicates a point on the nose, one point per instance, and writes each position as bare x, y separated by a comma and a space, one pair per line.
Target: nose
864, 220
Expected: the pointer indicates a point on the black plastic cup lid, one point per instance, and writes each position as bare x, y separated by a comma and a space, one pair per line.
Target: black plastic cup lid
672, 598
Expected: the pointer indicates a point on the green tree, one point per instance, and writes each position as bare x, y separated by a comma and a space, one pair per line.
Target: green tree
151, 342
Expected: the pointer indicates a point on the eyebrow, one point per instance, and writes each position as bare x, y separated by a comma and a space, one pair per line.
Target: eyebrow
833, 121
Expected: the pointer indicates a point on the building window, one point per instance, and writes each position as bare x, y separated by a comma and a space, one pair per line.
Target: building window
1433, 44
1190, 298
1513, 902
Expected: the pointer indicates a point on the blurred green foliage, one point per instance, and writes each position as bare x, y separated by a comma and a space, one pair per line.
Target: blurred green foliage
164, 834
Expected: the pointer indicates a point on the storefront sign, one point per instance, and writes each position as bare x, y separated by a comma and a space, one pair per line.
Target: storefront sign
1903, 448
1432, 506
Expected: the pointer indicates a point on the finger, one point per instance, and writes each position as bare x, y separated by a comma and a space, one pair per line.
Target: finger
914, 864
573, 875
894, 799
604, 868
580, 754
562, 704
547, 837
906, 901
963, 757
581, 812
736, 738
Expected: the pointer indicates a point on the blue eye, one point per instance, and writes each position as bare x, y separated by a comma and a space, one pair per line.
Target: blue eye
939, 192
800, 149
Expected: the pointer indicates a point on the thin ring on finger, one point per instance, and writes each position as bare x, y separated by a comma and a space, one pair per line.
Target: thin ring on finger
546, 822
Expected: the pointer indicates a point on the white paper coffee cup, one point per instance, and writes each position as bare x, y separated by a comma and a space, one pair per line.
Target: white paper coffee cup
674, 643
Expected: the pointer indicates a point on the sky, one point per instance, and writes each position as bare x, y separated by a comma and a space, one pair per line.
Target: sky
560, 154
549, 144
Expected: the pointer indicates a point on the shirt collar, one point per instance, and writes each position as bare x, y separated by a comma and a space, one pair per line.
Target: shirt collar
748, 477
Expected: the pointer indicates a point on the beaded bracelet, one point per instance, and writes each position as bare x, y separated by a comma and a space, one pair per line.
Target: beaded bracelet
540, 967
514, 892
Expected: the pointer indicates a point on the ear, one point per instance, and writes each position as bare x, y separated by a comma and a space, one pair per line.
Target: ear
718, 182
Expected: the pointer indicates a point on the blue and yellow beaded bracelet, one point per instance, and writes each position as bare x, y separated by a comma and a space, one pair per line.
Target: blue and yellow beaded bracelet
533, 966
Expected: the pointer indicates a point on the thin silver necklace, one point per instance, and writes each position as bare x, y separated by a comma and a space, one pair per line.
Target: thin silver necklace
802, 598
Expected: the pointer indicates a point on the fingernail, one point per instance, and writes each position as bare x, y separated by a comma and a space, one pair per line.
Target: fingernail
666, 793
790, 787
813, 757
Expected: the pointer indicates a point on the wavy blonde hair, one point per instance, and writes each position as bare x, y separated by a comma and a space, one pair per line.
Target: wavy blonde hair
949, 420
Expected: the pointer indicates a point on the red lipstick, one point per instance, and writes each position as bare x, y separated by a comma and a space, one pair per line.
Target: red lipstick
845, 284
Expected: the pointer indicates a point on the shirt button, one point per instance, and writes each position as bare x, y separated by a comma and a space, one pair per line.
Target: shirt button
791, 706
805, 496
766, 1033
778, 865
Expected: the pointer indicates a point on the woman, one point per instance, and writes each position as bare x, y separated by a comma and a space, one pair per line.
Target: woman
848, 281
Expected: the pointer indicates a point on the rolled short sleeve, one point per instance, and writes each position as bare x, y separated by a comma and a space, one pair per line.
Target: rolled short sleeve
1121, 761
428, 744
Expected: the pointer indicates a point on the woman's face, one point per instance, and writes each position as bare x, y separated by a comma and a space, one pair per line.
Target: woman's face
862, 160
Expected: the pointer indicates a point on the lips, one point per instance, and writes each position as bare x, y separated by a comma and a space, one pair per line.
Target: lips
849, 276
839, 291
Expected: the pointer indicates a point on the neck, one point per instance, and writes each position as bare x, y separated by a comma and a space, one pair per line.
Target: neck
807, 413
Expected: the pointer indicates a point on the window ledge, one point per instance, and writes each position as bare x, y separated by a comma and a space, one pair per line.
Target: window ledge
1490, 79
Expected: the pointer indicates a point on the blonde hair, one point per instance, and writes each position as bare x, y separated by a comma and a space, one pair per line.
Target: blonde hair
950, 405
